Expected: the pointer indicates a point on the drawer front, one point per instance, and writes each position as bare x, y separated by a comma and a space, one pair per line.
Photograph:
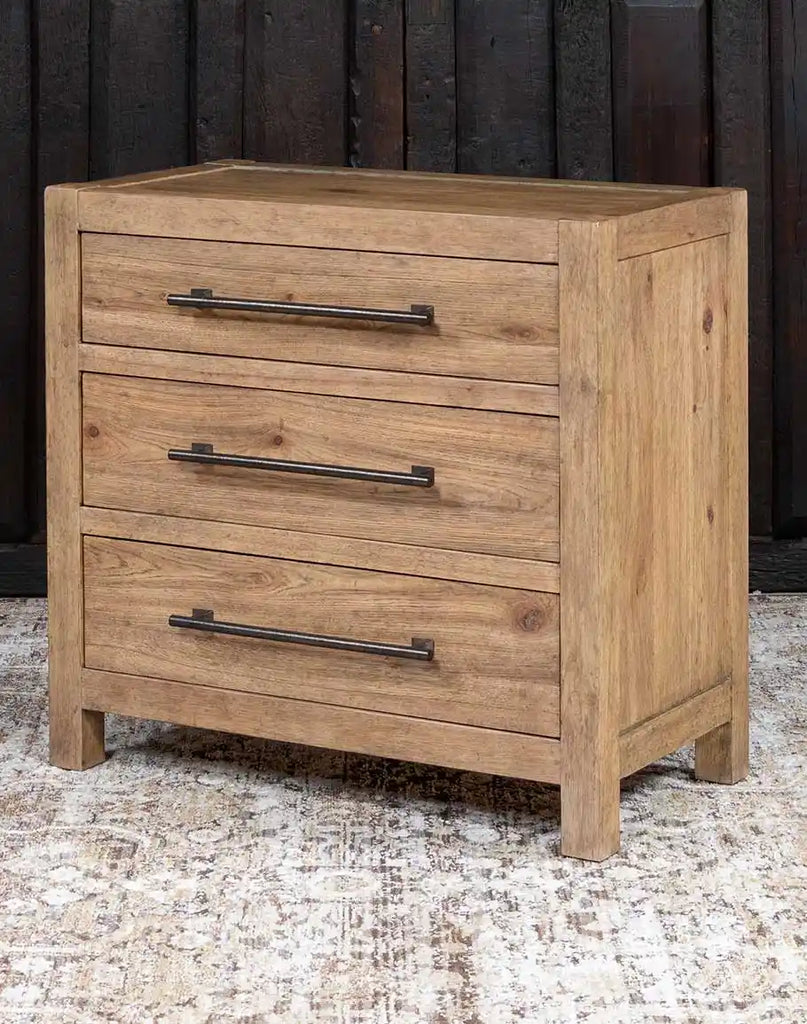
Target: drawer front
492, 320
495, 650
495, 486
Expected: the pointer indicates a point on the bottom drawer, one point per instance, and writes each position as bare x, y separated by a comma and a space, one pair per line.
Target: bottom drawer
495, 658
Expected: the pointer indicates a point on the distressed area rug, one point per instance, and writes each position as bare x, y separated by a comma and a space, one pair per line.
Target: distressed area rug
197, 878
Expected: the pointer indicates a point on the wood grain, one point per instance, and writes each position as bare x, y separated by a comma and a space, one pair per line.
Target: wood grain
310, 378
788, 26
376, 100
491, 319
295, 721
589, 686
217, 79
15, 261
295, 82
496, 650
387, 211
648, 741
431, 86
583, 573
309, 547
169, 80
668, 512
139, 179
489, 467
722, 755
62, 96
742, 157
382, 189
506, 120
139, 86
661, 90
76, 735
668, 226
778, 566
491, 236
61, 108
23, 571
583, 89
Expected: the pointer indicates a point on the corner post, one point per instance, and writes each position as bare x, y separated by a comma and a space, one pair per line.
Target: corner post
722, 755
76, 735
589, 694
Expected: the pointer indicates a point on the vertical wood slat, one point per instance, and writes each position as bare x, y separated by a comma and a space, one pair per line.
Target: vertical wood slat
789, 143
139, 86
431, 86
742, 157
295, 82
62, 125
661, 91
583, 89
217, 86
15, 261
377, 85
505, 84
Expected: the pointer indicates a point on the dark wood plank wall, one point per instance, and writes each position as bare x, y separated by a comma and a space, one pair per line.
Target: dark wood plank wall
789, 237
742, 156
16, 252
690, 91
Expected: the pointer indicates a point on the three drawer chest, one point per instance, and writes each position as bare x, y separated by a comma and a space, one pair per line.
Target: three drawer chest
440, 468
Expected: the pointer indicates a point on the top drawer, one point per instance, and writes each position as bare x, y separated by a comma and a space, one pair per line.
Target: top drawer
494, 320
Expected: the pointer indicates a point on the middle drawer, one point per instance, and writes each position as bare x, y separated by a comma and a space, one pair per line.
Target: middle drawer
360, 468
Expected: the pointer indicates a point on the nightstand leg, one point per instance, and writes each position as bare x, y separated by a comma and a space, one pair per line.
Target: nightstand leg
76, 736
722, 754
589, 814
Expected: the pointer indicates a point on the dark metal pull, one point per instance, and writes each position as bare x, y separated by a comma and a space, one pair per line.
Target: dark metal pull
420, 476
203, 298
203, 619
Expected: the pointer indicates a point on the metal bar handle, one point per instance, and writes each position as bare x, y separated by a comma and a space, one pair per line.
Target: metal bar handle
420, 476
204, 620
203, 298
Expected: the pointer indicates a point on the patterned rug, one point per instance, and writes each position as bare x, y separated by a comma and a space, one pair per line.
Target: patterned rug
198, 878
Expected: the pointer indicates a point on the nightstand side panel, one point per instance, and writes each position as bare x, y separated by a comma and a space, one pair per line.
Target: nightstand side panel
667, 516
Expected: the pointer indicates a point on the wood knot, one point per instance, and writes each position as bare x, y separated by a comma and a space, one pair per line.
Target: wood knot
93, 431
277, 440
708, 321
518, 332
530, 620
710, 514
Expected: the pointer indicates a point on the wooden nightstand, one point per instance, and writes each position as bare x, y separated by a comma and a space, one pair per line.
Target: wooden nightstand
441, 468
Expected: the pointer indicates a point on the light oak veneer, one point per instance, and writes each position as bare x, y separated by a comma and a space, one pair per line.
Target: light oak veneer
581, 560
489, 467
496, 649
496, 320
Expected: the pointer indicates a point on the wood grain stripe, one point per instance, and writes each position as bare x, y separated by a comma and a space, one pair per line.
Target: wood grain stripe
325, 725
650, 740
308, 547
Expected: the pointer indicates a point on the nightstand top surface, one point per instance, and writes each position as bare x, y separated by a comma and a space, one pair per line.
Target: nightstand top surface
475, 216
474, 195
